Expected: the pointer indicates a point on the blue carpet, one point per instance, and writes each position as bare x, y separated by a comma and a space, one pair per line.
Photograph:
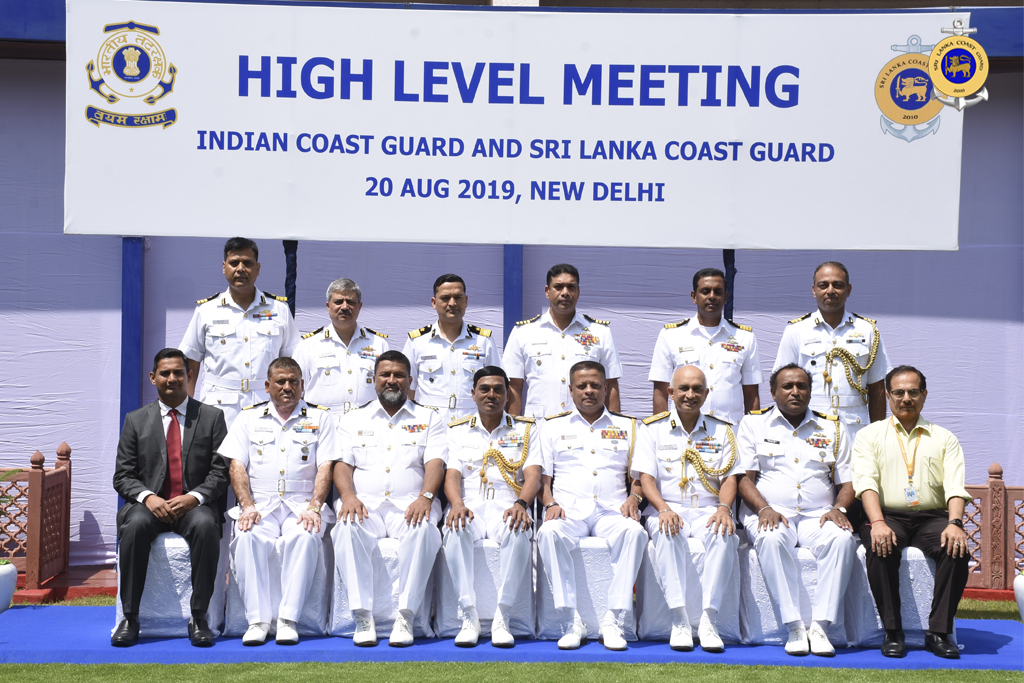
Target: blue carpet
81, 635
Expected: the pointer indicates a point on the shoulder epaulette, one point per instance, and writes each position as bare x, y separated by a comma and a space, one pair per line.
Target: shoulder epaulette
318, 407
379, 334
552, 417
803, 317
826, 416
863, 318
275, 296
596, 321
628, 417
209, 298
464, 420
527, 322
314, 332
742, 327
520, 418
256, 405
672, 326
762, 411
420, 332
368, 403
421, 405
654, 418
478, 330
720, 419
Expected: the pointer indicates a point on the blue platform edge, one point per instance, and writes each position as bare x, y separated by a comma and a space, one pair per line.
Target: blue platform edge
28, 635
1000, 29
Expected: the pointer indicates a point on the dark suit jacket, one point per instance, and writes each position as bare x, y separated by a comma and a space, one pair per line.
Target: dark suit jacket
142, 455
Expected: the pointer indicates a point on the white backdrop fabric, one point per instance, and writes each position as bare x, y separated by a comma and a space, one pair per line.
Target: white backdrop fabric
957, 315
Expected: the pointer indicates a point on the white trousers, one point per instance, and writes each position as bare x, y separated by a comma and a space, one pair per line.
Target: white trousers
250, 551
626, 539
834, 549
673, 559
354, 544
513, 551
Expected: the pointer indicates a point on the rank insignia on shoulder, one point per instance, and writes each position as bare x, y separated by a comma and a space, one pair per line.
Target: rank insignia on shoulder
742, 327
256, 405
557, 415
596, 321
379, 334
461, 421
654, 418
834, 418
762, 411
318, 407
422, 406
473, 329
209, 298
314, 332
628, 417
420, 332
276, 297
858, 315
803, 317
527, 322
520, 418
672, 326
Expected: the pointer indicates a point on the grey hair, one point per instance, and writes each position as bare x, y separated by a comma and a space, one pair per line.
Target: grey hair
343, 284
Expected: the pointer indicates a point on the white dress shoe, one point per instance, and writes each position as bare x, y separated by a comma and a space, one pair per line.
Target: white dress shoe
797, 643
681, 638
820, 644
707, 633
501, 636
470, 633
286, 632
401, 634
366, 630
611, 634
574, 637
256, 634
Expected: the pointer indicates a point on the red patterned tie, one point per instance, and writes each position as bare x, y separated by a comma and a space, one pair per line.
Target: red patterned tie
172, 484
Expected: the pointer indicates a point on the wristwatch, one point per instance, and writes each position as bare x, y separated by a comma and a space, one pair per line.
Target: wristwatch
428, 495
639, 498
551, 505
520, 501
958, 522
842, 509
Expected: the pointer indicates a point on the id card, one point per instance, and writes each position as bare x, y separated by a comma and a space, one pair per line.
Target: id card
912, 499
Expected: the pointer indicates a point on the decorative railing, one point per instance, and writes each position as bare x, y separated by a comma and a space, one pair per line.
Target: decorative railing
35, 517
994, 521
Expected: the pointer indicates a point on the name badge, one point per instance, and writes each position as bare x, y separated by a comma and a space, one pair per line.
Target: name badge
365, 432
685, 349
912, 499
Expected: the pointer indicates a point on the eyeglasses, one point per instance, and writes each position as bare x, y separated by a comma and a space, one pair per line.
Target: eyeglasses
899, 393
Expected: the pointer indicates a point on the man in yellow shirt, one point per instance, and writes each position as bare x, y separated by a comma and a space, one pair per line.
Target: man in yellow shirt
909, 473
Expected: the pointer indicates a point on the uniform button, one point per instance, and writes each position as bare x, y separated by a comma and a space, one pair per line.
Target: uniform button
349, 372
770, 454
711, 413
469, 468
592, 450
282, 449
453, 371
223, 342
259, 452
798, 509
563, 335
563, 405
387, 469
282, 471
350, 391
245, 338
710, 388
595, 473
798, 485
711, 366
668, 469
711, 343
327, 372
689, 442
591, 429
796, 459
389, 448
858, 420
218, 400
387, 493
834, 342
284, 429
563, 357
595, 496
246, 363
452, 348
391, 426
563, 380
794, 432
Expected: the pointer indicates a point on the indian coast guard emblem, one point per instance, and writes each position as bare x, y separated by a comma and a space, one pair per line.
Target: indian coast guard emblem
131, 68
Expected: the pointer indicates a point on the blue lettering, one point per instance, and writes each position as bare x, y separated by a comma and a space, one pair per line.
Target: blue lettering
647, 82
751, 89
430, 79
684, 80
245, 75
365, 79
615, 83
495, 81
468, 90
327, 82
524, 87
572, 80
400, 94
286, 76
792, 90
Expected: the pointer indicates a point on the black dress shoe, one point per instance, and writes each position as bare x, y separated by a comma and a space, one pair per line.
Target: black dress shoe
894, 645
941, 645
126, 634
199, 632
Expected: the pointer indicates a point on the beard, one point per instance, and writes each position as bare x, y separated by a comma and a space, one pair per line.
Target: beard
391, 398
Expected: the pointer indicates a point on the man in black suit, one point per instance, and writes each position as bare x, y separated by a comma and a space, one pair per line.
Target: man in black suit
171, 478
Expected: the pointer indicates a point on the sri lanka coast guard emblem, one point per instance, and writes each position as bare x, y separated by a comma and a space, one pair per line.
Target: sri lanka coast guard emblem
131, 68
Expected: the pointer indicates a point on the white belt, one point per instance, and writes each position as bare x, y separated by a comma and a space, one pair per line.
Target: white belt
232, 384
282, 486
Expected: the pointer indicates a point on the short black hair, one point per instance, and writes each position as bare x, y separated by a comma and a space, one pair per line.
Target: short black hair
561, 269
835, 264
392, 356
241, 244
284, 363
899, 370
489, 371
449, 277
170, 352
773, 380
706, 272
587, 365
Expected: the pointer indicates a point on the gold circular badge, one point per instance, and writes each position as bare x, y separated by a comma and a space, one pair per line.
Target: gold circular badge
903, 90
958, 66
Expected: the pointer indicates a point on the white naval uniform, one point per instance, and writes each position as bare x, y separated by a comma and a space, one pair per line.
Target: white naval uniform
805, 342
442, 371
281, 458
236, 347
337, 375
727, 354
389, 454
660, 452
589, 464
541, 354
795, 469
468, 440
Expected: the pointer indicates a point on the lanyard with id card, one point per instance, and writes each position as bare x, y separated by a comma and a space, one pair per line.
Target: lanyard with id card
910, 492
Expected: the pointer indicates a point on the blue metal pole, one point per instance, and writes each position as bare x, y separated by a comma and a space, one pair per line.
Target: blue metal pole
513, 287
131, 324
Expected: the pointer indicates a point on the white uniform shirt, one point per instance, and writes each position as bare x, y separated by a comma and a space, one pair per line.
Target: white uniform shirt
805, 342
282, 457
589, 462
389, 452
727, 354
339, 376
660, 452
795, 464
442, 371
541, 354
468, 440
237, 346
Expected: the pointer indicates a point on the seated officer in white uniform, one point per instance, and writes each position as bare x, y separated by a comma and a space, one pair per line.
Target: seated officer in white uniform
725, 351
586, 492
494, 469
445, 355
393, 454
236, 333
686, 463
337, 359
281, 456
791, 456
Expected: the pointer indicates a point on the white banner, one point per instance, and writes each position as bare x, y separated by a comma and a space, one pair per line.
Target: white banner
619, 129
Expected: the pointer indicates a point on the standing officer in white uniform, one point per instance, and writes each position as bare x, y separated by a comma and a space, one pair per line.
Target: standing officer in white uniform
540, 351
236, 333
281, 456
337, 359
446, 354
686, 463
792, 456
586, 492
843, 353
393, 455
493, 476
725, 351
